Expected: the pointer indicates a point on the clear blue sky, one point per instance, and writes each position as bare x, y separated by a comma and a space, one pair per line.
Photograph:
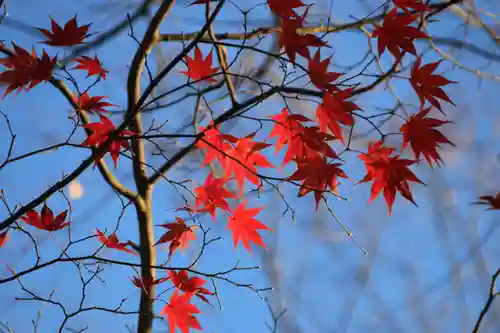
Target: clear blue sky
410, 253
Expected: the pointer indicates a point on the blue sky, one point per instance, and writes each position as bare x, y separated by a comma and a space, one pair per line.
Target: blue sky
317, 267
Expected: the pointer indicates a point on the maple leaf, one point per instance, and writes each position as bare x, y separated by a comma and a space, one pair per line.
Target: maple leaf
180, 313
92, 104
188, 284
286, 127
420, 133
212, 195
178, 234
396, 35
45, 220
113, 242
295, 43
416, 5
147, 282
428, 85
492, 200
4, 237
25, 70
310, 140
199, 69
100, 134
317, 175
318, 72
70, 35
245, 158
284, 9
215, 144
92, 66
244, 226
335, 110
388, 174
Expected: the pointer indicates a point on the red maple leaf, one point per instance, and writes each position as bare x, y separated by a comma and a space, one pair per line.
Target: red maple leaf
25, 70
180, 313
4, 237
294, 42
428, 85
212, 195
286, 127
317, 175
178, 234
147, 282
388, 173
92, 66
396, 35
45, 220
215, 144
310, 140
318, 72
420, 133
284, 9
492, 200
187, 284
244, 160
113, 242
100, 134
199, 69
70, 35
244, 226
335, 110
416, 5
92, 104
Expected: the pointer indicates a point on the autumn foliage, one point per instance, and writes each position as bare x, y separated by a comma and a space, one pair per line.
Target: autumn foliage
311, 148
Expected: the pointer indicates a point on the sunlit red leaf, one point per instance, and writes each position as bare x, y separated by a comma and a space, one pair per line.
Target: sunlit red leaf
46, 220
113, 242
70, 35
4, 237
199, 68
178, 234
187, 284
212, 195
215, 144
92, 66
180, 313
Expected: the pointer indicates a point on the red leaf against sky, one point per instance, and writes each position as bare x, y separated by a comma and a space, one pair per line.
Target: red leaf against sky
492, 200
212, 195
92, 104
416, 5
92, 66
294, 42
335, 110
4, 237
318, 72
199, 68
146, 282
388, 173
188, 284
245, 158
215, 143
113, 242
396, 35
180, 313
100, 134
70, 35
25, 70
178, 234
284, 9
420, 133
46, 220
244, 226
317, 175
428, 85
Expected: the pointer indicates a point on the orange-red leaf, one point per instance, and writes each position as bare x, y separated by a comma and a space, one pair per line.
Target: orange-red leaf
70, 35
92, 66
428, 85
199, 68
113, 242
215, 145
180, 313
46, 220
396, 35
187, 284
212, 195
178, 234
419, 131
244, 226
